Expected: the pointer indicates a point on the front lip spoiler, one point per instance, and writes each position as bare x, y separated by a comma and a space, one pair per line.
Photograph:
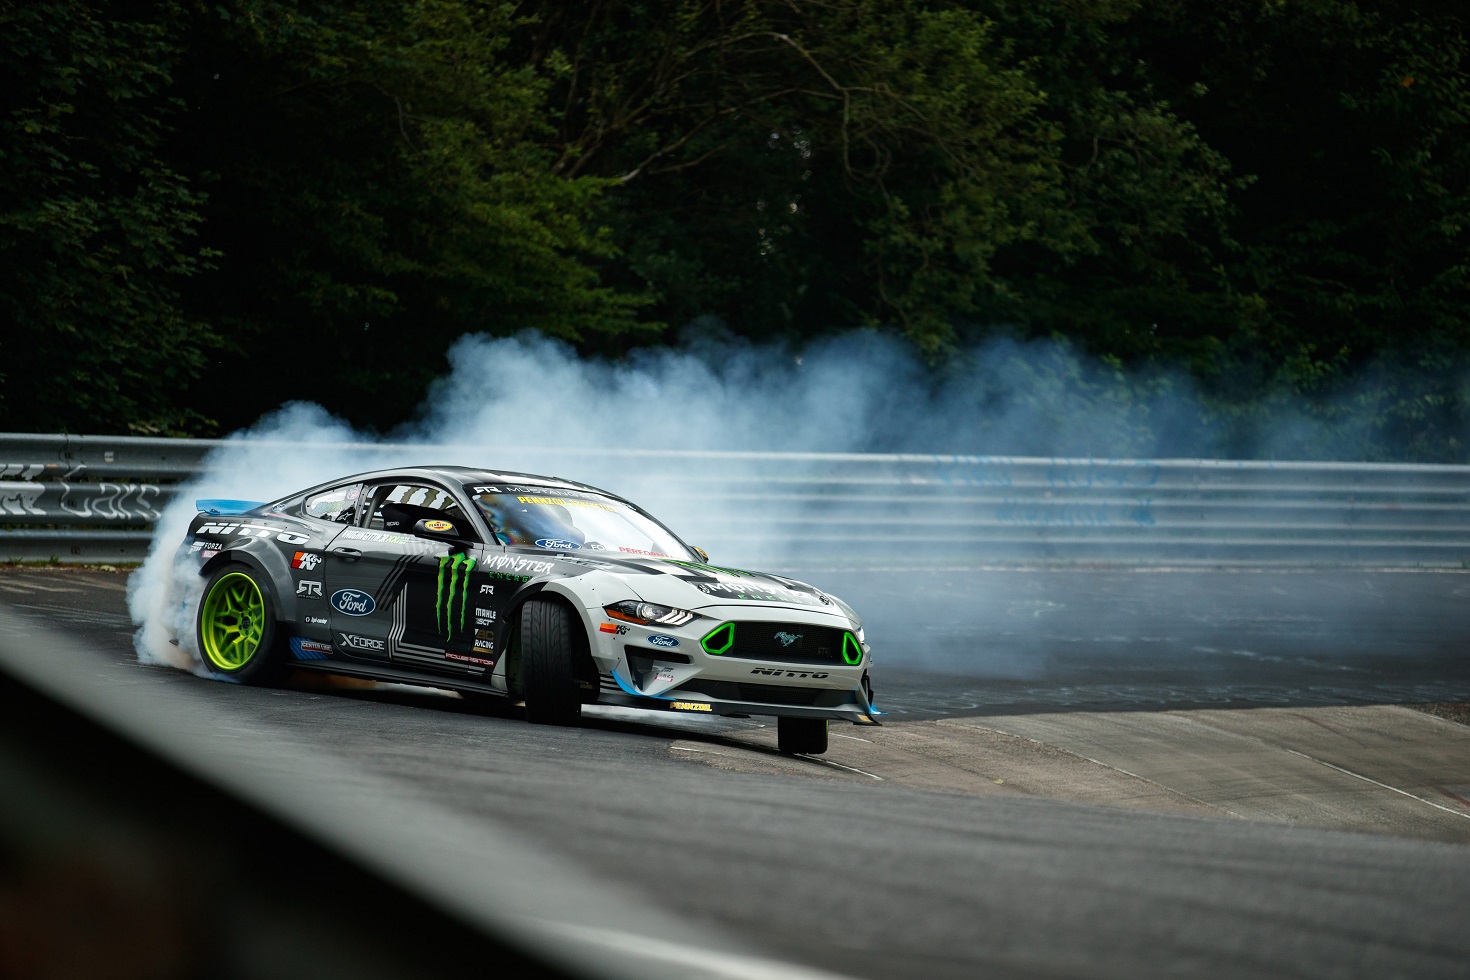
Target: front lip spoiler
627, 697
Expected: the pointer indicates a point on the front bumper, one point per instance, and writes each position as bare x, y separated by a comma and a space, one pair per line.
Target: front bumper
667, 669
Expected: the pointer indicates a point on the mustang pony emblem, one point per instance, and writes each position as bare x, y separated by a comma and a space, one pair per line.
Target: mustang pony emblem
787, 638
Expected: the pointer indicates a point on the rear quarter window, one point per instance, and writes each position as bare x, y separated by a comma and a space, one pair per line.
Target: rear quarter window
338, 504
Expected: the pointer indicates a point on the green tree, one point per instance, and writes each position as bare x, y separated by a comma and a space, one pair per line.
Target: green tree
797, 168
97, 228
380, 183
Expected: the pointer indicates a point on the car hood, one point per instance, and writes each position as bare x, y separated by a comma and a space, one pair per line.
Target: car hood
692, 585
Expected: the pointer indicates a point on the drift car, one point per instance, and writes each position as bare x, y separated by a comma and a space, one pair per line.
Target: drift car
530, 588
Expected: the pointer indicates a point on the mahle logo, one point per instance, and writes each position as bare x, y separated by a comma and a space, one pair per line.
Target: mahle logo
459, 581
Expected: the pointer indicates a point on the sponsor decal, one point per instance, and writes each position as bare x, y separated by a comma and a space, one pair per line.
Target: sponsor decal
756, 593
777, 672
607, 627
557, 544
306, 560
659, 640
222, 529
540, 491
315, 620
487, 589
360, 534
787, 638
308, 589
466, 658
488, 614
663, 674
564, 502
208, 553
354, 642
196, 547
521, 566
304, 649
689, 706
457, 582
353, 602
640, 551
438, 526
485, 642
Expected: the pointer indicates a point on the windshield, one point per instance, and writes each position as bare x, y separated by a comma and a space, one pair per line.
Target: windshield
556, 519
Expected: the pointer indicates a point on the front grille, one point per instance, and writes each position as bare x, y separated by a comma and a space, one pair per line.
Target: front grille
786, 643
810, 697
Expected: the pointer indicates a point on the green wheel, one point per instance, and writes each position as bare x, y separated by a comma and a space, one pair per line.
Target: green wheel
237, 626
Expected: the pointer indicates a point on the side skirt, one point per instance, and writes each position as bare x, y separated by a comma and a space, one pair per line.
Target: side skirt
394, 675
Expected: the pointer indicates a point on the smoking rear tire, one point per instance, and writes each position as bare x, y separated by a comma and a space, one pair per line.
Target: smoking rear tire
236, 627
801, 736
548, 644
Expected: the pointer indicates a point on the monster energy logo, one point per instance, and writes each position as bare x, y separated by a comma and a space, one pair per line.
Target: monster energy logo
444, 608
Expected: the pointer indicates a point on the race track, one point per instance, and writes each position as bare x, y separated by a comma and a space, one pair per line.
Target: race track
903, 855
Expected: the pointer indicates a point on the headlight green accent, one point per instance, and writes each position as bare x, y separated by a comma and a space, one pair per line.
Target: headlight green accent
713, 643
232, 621
852, 650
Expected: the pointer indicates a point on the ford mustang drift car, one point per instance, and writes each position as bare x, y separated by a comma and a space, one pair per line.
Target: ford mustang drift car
540, 590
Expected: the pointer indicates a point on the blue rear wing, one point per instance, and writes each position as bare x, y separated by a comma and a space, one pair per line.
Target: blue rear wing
228, 508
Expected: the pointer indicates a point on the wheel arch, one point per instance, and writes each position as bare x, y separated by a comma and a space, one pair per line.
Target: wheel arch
261, 562
584, 667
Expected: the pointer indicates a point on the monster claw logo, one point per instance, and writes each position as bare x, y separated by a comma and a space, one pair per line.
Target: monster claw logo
458, 581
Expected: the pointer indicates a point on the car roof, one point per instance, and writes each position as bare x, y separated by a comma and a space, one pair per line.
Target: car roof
467, 474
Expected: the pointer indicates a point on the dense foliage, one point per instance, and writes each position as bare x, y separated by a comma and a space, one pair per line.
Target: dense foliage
198, 199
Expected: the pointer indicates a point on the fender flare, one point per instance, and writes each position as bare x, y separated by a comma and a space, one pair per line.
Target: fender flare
262, 562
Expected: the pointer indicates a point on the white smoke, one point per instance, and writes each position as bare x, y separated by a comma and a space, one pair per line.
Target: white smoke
530, 403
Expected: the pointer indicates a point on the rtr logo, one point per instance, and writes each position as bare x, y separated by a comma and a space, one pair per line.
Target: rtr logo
309, 589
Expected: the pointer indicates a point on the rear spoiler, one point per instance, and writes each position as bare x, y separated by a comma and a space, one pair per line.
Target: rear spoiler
227, 508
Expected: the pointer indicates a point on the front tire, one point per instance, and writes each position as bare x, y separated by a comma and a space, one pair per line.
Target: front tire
236, 627
548, 645
801, 736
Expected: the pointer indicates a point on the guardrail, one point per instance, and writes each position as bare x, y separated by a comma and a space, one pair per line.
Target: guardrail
94, 498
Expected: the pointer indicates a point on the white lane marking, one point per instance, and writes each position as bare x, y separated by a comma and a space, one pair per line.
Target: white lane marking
681, 748
852, 737
829, 762
699, 962
1349, 772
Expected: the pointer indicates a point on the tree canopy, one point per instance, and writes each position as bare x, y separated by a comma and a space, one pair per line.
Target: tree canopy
198, 201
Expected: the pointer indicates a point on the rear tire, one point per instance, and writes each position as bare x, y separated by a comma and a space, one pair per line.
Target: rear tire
548, 644
801, 736
236, 627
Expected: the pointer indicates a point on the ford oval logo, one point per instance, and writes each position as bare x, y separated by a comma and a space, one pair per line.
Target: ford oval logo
557, 544
352, 602
659, 640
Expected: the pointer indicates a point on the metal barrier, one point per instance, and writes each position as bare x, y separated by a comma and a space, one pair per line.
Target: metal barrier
93, 498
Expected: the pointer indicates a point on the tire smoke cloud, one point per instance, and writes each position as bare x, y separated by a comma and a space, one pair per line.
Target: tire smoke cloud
530, 403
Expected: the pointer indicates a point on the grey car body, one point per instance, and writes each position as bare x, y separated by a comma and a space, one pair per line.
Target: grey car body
423, 575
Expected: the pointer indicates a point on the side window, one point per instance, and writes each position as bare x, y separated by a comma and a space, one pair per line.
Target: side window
338, 504
398, 507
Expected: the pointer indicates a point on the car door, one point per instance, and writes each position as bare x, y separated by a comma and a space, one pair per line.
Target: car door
407, 599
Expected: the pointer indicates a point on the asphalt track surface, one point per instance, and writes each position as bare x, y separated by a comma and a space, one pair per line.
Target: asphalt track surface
872, 879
